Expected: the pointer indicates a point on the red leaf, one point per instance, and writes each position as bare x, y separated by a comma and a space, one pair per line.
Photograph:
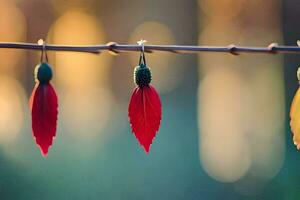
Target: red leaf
145, 114
44, 116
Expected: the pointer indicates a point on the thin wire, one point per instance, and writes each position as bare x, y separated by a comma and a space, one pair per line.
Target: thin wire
116, 48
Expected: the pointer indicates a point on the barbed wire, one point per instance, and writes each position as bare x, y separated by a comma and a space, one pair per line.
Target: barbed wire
116, 48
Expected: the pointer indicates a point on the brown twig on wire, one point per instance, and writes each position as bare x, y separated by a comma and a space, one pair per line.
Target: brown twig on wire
116, 48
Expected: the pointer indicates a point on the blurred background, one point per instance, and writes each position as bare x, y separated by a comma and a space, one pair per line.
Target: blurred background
225, 130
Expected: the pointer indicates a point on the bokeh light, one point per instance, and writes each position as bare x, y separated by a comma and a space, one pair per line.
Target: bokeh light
13, 28
225, 9
12, 96
81, 77
241, 99
61, 6
12, 100
224, 149
90, 109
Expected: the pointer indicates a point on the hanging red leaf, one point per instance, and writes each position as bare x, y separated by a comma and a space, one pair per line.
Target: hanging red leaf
145, 115
44, 116
144, 108
44, 105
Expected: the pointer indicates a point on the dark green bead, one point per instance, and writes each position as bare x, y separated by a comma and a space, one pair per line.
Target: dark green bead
142, 75
43, 72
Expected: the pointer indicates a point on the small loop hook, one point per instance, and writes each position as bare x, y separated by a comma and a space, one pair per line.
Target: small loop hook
142, 55
42, 42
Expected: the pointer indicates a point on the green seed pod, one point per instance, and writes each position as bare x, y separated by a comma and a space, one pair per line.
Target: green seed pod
142, 75
43, 73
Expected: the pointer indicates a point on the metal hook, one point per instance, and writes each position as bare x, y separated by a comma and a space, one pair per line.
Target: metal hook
142, 55
42, 42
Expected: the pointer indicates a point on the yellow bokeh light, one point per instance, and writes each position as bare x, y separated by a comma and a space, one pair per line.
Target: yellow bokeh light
13, 29
81, 79
61, 6
12, 100
221, 9
266, 117
241, 98
224, 151
226, 159
77, 69
86, 112
14, 23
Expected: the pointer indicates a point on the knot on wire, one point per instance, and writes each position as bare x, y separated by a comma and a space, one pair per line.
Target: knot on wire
272, 47
232, 49
111, 48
